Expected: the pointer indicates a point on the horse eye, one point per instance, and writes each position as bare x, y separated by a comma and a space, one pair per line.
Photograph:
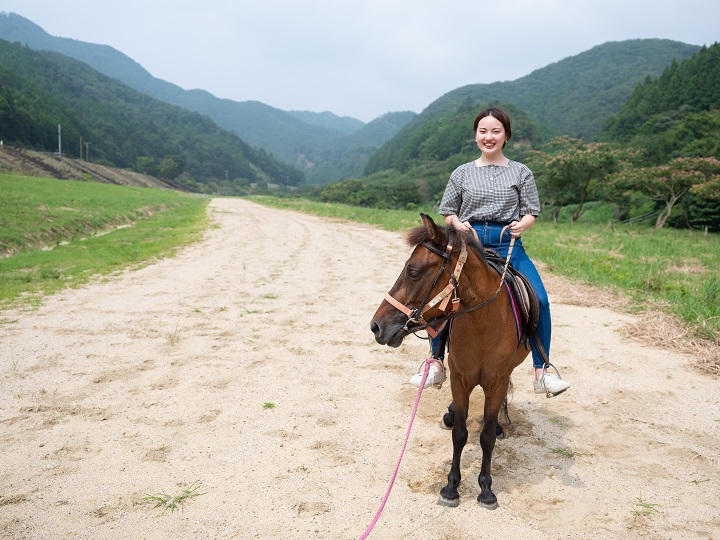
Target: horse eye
414, 273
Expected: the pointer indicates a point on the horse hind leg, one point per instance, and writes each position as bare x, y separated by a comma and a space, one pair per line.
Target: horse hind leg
448, 421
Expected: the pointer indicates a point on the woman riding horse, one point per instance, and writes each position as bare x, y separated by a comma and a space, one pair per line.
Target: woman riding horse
496, 197
494, 194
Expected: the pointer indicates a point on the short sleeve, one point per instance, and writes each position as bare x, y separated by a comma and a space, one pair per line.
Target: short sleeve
529, 198
452, 198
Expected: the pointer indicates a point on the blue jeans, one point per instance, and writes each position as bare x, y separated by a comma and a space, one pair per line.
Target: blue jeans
489, 234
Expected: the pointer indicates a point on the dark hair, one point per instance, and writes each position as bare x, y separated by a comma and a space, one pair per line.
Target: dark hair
501, 115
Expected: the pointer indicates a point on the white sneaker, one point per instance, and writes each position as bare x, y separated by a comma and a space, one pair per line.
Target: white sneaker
436, 376
550, 384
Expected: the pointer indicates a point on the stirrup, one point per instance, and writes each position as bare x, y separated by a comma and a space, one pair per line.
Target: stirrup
542, 378
441, 361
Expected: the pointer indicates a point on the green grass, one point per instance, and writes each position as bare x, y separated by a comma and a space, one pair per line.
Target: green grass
390, 220
676, 270
643, 508
52, 228
173, 502
562, 452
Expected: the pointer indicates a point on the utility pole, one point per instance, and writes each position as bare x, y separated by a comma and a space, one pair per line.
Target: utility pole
87, 150
59, 140
81, 144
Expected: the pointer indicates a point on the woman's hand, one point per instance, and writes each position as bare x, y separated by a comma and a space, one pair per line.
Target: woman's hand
453, 221
519, 227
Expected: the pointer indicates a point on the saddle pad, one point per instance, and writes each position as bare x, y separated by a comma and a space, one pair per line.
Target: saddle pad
521, 288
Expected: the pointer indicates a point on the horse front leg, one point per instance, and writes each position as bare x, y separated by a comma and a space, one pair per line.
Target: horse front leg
449, 495
488, 436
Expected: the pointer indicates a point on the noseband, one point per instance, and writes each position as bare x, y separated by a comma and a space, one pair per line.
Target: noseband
416, 316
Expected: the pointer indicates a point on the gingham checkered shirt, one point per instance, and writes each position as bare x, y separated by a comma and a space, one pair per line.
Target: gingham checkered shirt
491, 193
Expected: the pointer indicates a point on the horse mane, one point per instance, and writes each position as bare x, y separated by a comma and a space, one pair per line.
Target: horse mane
450, 235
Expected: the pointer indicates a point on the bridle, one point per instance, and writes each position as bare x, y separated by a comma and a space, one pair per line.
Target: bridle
416, 316
433, 327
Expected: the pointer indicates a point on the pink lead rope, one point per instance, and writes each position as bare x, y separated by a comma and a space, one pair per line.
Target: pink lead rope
370, 527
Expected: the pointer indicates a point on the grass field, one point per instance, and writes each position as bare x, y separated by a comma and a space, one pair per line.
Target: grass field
49, 239
675, 270
60, 233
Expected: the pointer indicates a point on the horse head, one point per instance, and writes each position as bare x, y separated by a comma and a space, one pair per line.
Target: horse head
419, 281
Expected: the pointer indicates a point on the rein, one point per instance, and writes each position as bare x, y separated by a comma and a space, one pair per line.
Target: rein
379, 511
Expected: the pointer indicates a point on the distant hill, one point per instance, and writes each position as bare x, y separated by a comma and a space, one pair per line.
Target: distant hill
347, 157
299, 138
574, 96
344, 124
124, 128
677, 113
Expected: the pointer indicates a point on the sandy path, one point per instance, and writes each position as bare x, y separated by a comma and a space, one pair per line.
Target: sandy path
158, 377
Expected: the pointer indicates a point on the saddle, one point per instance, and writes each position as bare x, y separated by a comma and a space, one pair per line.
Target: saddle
522, 291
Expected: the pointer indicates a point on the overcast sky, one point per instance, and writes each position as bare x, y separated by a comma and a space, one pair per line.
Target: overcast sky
360, 58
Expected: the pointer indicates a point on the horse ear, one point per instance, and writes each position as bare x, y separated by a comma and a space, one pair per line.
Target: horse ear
434, 233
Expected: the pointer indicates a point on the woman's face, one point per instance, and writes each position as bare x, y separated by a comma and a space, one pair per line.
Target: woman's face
490, 136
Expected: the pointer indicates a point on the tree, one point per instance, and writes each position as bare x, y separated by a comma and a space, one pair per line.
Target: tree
169, 168
147, 165
669, 183
569, 170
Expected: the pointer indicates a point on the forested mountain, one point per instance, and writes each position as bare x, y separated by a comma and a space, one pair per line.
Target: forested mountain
675, 114
299, 138
123, 128
574, 97
347, 157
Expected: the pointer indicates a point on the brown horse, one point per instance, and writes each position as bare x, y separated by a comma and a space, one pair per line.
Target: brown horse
483, 347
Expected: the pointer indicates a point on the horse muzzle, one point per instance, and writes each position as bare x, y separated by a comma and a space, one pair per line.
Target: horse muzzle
391, 334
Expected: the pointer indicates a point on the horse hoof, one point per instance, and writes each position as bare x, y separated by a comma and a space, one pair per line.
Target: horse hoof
492, 506
444, 425
450, 503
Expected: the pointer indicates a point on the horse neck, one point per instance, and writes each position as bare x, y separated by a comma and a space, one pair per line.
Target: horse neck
479, 280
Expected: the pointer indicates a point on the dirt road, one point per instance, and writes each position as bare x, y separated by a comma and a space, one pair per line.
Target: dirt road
246, 363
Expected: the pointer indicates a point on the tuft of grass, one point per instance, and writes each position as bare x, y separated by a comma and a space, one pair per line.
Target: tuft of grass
173, 502
174, 336
14, 361
644, 508
698, 482
562, 452
268, 406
